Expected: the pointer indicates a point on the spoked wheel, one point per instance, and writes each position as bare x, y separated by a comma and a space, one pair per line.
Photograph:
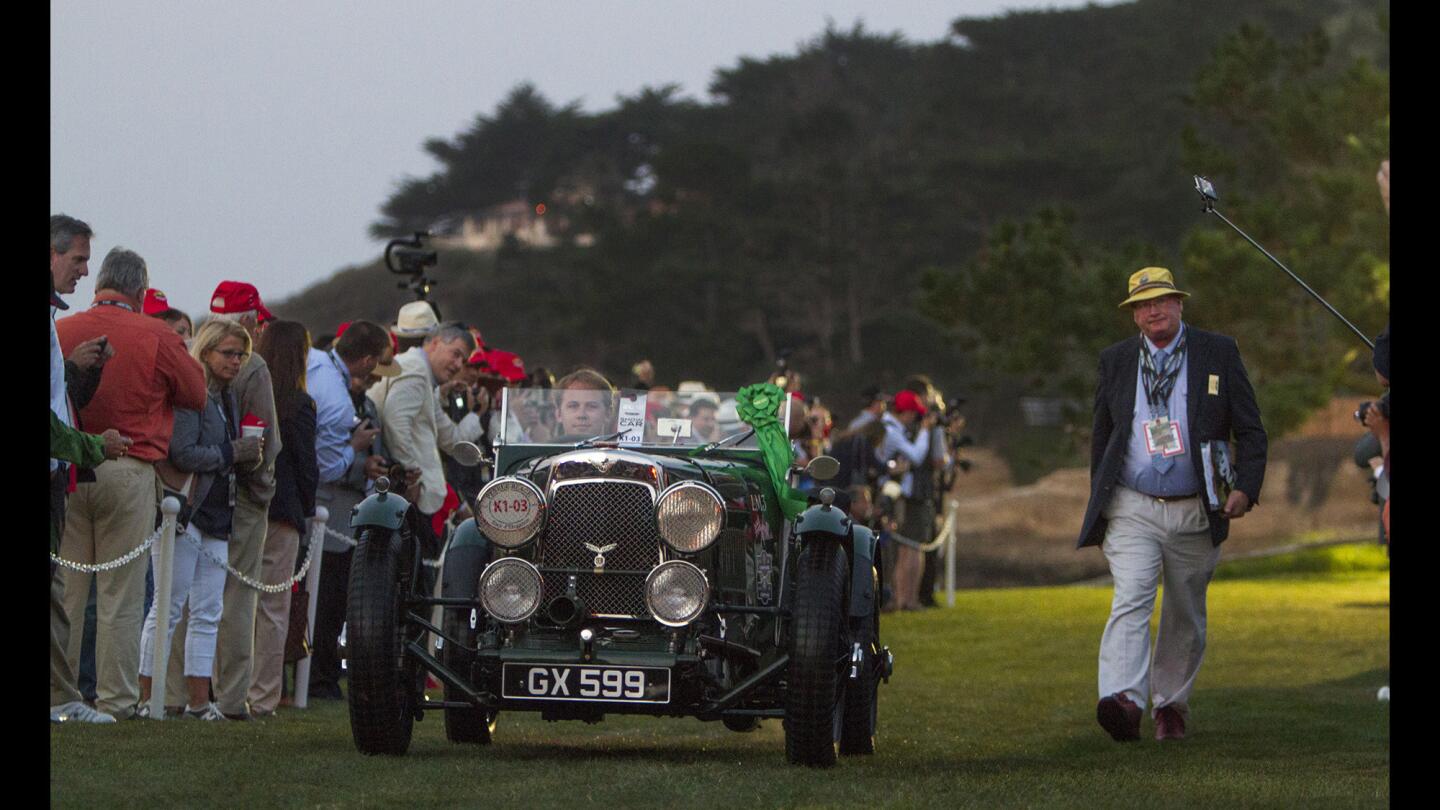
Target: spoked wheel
385, 687
860, 716
814, 695
460, 579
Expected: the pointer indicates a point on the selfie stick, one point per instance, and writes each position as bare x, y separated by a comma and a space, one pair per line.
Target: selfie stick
1207, 193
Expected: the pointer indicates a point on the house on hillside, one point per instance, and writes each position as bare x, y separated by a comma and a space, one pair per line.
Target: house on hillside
488, 229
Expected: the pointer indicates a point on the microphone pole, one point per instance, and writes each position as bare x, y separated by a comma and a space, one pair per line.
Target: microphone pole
1207, 193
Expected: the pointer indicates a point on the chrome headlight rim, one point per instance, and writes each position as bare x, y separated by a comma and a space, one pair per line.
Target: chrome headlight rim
690, 548
704, 596
497, 567
497, 535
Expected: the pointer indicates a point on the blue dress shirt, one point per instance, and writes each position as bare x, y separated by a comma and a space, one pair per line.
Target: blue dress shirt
329, 385
1138, 473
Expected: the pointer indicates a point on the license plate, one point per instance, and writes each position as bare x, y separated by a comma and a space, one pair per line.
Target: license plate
591, 683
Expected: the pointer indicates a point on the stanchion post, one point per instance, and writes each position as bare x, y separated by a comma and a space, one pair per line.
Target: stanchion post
950, 555
312, 586
164, 569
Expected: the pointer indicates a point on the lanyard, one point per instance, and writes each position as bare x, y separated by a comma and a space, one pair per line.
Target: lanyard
113, 303
1159, 383
335, 361
345, 379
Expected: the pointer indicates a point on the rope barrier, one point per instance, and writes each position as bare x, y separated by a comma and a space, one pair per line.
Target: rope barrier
349, 541
315, 537
129, 556
344, 538
940, 536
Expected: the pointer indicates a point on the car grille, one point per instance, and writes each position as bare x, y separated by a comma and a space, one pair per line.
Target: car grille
601, 513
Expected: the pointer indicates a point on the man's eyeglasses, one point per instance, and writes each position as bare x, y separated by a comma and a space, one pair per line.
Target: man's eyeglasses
232, 354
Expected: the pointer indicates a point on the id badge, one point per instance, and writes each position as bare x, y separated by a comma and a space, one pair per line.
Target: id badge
1162, 437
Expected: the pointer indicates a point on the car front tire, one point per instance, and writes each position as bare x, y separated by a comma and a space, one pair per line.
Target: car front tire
815, 691
382, 685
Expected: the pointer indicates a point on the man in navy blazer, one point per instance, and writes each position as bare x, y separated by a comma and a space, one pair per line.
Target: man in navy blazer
1165, 398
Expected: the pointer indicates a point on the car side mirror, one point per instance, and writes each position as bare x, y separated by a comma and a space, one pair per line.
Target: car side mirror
822, 468
467, 453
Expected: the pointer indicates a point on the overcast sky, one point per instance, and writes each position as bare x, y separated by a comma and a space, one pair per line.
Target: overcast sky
257, 140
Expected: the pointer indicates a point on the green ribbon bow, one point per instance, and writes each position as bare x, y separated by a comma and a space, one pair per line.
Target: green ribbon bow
758, 406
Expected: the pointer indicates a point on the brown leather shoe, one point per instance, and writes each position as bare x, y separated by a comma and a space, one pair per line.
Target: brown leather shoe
1169, 723
1119, 716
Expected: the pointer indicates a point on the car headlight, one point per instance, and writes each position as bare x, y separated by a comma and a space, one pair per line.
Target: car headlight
510, 510
510, 589
676, 593
690, 516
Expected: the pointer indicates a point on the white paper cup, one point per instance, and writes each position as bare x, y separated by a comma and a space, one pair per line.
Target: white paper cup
252, 430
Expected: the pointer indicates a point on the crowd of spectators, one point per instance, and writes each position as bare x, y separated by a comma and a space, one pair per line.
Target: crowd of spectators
899, 457
250, 422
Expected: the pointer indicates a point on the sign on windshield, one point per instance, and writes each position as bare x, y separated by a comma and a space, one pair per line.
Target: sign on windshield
626, 417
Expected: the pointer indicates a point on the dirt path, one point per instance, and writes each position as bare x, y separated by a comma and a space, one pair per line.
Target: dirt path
1012, 535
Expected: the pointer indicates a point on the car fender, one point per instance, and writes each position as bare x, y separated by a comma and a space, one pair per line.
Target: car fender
467, 556
831, 524
820, 519
380, 509
862, 581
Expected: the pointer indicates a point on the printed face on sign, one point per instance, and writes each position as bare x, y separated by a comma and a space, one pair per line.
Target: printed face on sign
1163, 437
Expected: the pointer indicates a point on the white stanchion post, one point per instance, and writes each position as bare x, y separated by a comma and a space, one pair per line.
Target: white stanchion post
950, 554
312, 585
164, 570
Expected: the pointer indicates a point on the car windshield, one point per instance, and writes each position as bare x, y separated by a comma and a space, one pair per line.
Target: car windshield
629, 418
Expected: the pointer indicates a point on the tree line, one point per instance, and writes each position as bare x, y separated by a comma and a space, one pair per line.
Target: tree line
968, 207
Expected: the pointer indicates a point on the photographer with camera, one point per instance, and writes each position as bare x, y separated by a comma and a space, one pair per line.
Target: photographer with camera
468, 401
929, 485
416, 428
349, 454
1376, 416
905, 459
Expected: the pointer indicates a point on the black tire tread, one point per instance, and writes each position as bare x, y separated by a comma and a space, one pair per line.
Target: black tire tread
381, 719
819, 615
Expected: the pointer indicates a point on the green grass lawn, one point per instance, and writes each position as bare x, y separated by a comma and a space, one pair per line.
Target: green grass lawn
992, 704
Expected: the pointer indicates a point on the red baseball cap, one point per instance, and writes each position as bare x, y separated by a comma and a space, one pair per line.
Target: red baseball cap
500, 363
237, 296
909, 401
154, 303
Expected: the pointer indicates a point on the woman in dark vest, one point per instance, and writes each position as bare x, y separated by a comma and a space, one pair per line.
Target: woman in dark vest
285, 345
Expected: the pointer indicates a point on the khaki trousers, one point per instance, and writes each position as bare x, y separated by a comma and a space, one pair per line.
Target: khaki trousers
235, 645
1149, 541
105, 520
272, 622
62, 677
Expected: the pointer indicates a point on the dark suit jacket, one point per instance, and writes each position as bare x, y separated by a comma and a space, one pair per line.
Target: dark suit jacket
1210, 416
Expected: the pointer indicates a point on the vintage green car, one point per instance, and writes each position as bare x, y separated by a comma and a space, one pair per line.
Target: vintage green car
648, 567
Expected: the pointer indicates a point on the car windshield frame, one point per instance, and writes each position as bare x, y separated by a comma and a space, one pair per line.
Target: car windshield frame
648, 420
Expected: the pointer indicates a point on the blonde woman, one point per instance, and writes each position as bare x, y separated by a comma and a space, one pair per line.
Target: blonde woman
208, 445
